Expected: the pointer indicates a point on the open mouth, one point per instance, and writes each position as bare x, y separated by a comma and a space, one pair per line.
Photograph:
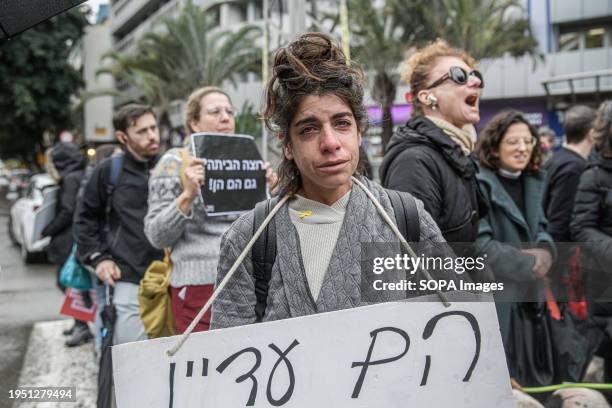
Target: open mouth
471, 100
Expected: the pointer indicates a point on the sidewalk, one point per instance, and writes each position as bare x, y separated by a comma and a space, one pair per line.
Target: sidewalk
49, 363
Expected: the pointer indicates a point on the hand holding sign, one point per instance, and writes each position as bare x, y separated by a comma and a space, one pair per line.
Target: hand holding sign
194, 178
192, 181
271, 178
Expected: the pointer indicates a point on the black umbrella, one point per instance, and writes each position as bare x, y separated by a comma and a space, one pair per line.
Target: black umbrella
105, 375
19, 15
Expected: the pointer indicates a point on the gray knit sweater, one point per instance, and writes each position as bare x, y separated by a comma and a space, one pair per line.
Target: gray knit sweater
194, 238
344, 285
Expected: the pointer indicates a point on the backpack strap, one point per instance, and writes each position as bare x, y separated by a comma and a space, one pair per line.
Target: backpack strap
116, 168
263, 255
406, 215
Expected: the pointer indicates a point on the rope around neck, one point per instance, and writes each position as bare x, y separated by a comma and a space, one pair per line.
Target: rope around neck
399, 236
259, 231
229, 275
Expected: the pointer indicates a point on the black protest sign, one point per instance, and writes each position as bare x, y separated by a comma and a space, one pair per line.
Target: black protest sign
235, 178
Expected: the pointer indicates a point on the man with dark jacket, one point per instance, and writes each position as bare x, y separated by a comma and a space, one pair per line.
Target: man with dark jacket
563, 171
110, 218
69, 165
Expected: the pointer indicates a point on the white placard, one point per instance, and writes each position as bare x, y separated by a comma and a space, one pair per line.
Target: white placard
418, 354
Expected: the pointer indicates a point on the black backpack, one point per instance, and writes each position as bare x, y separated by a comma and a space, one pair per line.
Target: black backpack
263, 252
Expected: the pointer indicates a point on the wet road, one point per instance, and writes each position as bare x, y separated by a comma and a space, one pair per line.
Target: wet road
27, 295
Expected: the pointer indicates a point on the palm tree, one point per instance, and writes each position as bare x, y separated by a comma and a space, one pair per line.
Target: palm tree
379, 38
382, 33
484, 28
187, 53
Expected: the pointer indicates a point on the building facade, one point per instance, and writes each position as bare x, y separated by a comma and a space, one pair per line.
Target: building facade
574, 37
575, 41
97, 108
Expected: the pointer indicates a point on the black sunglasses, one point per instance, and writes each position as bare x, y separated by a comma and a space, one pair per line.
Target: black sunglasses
459, 76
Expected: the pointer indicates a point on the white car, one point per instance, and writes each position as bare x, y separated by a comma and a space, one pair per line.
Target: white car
24, 230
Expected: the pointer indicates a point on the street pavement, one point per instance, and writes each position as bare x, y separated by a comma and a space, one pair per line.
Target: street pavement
32, 352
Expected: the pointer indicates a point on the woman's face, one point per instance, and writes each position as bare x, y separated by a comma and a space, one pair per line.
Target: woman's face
516, 148
324, 143
457, 104
216, 114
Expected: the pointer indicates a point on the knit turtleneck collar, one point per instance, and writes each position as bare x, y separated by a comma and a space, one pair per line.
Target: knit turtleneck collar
464, 137
513, 175
309, 211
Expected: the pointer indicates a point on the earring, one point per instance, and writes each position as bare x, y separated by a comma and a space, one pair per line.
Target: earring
433, 101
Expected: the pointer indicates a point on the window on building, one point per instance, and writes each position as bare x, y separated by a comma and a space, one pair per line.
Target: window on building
595, 37
258, 10
241, 9
278, 7
214, 15
569, 41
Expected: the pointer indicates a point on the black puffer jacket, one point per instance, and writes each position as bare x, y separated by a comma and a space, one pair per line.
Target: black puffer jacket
422, 160
592, 224
70, 165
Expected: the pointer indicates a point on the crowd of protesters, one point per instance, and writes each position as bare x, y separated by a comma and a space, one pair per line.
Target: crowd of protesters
503, 193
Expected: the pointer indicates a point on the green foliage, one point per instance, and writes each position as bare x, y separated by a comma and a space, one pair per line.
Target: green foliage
379, 37
248, 121
187, 53
484, 28
37, 82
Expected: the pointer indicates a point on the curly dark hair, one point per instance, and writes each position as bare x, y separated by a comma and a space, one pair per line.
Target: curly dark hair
310, 65
602, 129
492, 135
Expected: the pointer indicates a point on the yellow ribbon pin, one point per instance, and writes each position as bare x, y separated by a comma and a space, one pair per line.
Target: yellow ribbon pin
303, 214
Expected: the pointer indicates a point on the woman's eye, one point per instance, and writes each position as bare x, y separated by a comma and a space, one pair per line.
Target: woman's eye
308, 130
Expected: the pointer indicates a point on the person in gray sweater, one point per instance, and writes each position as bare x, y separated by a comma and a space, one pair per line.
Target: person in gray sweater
314, 103
176, 217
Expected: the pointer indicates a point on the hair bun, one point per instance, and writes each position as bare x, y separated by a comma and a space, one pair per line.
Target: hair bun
313, 57
313, 64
